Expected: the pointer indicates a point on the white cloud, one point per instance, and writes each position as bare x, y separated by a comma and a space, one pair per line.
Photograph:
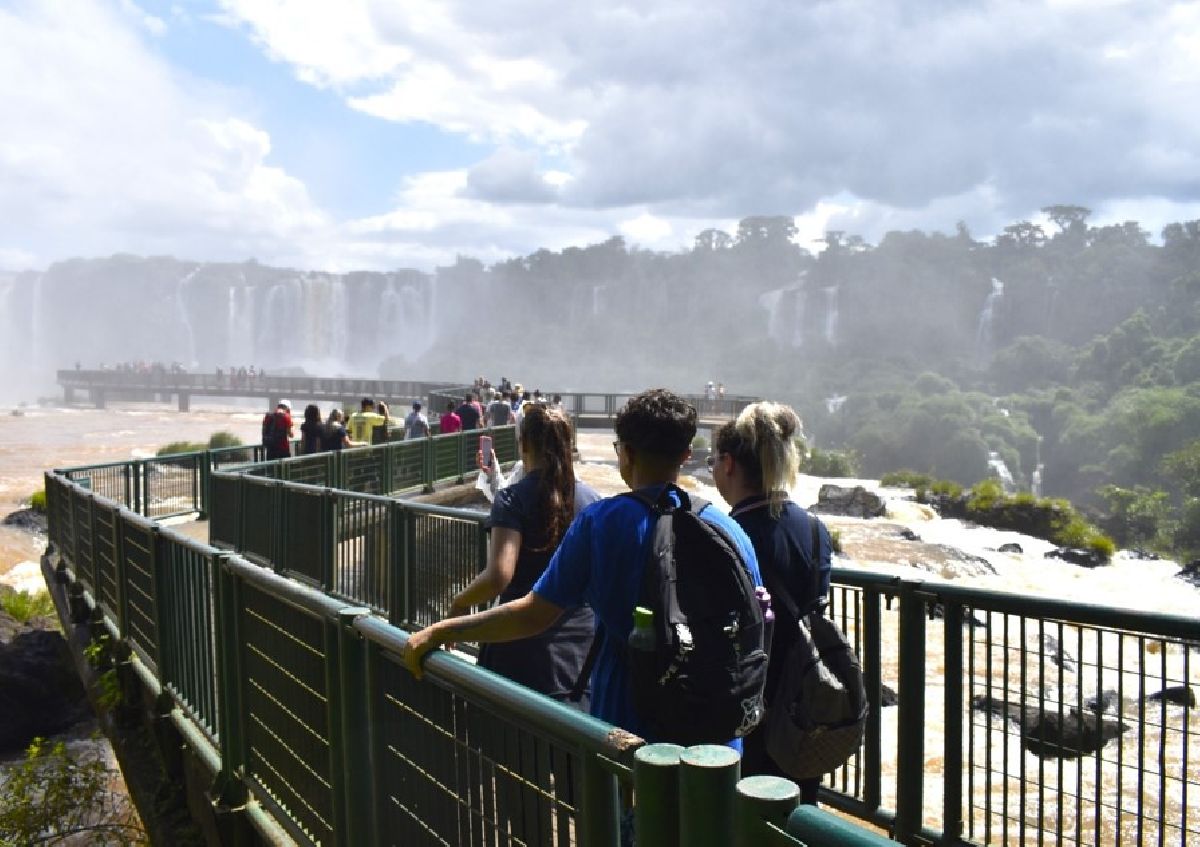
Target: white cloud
654, 120
105, 150
736, 110
151, 23
647, 229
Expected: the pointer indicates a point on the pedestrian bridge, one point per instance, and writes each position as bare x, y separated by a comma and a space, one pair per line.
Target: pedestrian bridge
588, 409
272, 650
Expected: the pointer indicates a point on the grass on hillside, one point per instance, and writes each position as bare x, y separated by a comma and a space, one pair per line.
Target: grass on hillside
23, 606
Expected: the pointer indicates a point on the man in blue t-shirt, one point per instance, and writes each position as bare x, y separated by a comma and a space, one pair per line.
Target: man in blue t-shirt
601, 558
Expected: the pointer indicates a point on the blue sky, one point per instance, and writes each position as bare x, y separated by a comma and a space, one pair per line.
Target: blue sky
377, 134
351, 162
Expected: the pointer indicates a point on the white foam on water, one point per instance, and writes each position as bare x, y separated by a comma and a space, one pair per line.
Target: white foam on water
24, 576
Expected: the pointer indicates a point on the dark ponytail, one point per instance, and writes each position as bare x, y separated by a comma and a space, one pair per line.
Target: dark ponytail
547, 434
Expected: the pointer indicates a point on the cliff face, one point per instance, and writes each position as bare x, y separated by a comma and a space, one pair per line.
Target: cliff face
40, 693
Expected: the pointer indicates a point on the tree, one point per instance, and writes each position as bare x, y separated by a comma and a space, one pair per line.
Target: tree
1183, 466
1021, 234
55, 796
769, 229
712, 240
1135, 514
1068, 218
1128, 234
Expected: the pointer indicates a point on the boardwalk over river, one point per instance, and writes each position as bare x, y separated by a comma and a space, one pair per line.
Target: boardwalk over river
591, 410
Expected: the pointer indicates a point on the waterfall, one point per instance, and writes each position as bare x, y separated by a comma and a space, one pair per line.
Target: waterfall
831, 314
770, 301
834, 402
240, 326
785, 314
339, 319
185, 322
596, 289
984, 333
1000, 469
391, 313
37, 321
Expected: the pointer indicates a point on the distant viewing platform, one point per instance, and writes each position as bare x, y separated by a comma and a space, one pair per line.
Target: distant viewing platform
589, 410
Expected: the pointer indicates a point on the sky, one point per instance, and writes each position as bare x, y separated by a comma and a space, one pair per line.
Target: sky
378, 135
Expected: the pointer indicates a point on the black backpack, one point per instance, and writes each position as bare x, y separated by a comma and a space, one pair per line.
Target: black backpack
816, 719
272, 430
703, 681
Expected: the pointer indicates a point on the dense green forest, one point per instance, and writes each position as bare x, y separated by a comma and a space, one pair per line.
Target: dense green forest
1069, 351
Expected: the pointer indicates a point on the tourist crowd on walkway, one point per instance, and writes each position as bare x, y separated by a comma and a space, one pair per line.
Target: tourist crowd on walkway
481, 406
239, 377
569, 568
140, 367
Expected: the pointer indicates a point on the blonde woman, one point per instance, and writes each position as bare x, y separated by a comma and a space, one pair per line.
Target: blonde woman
754, 463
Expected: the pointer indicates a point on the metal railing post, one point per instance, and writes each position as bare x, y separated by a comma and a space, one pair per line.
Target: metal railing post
656, 784
427, 466
409, 568
205, 483
329, 537
121, 576
873, 681
164, 659
197, 483
129, 501
910, 745
228, 789
339, 481
760, 801
953, 733
599, 816
397, 584
708, 776
277, 544
461, 474
354, 763
386, 475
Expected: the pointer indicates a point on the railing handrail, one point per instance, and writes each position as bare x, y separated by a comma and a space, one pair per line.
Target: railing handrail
551, 718
999, 601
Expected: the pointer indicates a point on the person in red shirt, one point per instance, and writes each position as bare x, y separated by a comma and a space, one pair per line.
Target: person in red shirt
277, 431
450, 422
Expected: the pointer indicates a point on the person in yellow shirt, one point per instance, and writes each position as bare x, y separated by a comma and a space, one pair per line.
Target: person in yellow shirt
363, 422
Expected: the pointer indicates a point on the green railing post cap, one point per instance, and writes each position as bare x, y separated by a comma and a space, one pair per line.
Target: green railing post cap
710, 756
768, 788
658, 755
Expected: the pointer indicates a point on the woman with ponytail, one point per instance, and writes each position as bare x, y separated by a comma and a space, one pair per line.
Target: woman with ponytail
754, 463
528, 520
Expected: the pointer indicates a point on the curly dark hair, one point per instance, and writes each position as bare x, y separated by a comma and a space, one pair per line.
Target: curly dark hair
658, 422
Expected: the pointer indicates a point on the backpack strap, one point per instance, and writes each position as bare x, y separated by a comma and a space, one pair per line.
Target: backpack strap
658, 506
585, 672
775, 586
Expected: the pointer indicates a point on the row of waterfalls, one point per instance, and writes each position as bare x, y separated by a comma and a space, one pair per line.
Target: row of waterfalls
800, 314
205, 316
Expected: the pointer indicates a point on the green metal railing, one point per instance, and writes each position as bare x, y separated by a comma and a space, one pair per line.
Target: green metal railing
972, 754
296, 703
181, 484
404, 560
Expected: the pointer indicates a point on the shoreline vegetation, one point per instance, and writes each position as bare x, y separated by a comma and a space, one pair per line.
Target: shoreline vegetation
1052, 519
